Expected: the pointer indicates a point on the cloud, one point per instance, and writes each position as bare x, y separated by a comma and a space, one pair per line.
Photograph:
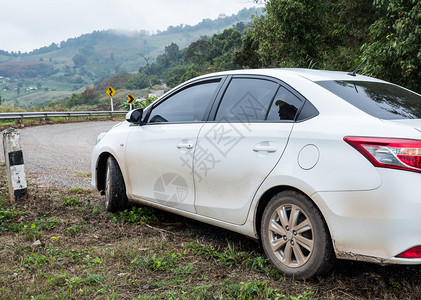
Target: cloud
29, 24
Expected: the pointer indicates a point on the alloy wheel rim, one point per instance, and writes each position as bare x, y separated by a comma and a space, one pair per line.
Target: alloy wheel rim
291, 235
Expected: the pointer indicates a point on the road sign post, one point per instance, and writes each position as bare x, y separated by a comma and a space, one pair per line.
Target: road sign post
130, 100
110, 92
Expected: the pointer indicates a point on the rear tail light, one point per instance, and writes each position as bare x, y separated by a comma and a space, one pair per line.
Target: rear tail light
414, 252
402, 154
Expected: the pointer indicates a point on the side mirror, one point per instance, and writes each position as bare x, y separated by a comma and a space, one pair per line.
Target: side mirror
135, 116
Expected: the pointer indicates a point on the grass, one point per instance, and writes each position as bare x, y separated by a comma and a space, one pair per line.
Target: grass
61, 244
84, 174
137, 215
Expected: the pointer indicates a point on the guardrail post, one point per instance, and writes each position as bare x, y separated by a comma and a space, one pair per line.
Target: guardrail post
14, 164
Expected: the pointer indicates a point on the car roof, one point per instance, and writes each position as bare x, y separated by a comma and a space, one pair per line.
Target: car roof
309, 74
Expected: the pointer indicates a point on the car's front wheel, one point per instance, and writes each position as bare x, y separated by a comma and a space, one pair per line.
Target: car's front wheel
295, 237
115, 189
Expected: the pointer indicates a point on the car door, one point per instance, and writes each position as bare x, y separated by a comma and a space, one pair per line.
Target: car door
236, 152
159, 154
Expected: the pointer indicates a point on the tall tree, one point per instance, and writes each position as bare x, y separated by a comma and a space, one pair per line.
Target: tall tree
197, 51
172, 50
147, 59
303, 33
291, 32
394, 51
349, 29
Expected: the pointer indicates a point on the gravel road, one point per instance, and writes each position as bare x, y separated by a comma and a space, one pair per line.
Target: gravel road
60, 155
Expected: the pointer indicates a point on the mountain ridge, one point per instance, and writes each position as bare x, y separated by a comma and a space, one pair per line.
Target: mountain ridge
93, 57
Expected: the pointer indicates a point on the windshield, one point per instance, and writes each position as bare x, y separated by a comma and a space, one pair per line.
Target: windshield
381, 100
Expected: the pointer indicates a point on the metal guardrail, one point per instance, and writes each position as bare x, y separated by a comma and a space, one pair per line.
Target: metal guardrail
67, 114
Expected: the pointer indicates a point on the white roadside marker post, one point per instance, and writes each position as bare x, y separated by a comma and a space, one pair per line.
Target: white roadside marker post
14, 165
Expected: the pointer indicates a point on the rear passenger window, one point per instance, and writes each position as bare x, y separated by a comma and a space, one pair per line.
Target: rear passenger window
284, 107
246, 100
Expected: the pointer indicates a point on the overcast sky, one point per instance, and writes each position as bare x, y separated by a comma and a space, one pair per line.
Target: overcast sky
30, 24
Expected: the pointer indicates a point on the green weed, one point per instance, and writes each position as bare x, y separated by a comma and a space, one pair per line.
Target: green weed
35, 260
59, 280
83, 257
55, 252
156, 263
92, 261
73, 230
94, 278
8, 217
162, 284
46, 223
396, 286
304, 296
227, 289
72, 201
31, 232
201, 249
232, 257
136, 215
78, 254
229, 256
184, 270
74, 282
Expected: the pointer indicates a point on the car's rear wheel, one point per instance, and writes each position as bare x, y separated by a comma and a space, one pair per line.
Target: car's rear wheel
115, 189
295, 236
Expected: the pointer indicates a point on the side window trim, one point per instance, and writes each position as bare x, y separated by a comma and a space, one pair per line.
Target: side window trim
218, 99
271, 101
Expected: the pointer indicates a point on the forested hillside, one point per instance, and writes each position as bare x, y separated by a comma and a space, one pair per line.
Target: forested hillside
322, 34
337, 35
42, 75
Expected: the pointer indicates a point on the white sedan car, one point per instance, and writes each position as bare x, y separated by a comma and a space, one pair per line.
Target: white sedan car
318, 165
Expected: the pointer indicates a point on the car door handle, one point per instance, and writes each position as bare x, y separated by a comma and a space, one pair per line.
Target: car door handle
186, 145
264, 146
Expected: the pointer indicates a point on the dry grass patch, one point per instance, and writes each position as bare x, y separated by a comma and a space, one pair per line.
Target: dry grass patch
60, 244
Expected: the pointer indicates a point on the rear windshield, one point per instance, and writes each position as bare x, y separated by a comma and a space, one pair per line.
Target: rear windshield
381, 100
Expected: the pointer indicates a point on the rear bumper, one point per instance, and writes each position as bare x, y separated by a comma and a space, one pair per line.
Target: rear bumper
375, 225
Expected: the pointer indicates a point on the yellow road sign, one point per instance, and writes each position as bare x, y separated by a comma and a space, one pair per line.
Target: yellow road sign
110, 92
130, 99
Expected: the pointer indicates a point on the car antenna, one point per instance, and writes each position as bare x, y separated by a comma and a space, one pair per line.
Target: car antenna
358, 68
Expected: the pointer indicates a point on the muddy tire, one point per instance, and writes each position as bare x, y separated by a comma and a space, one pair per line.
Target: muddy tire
115, 189
295, 236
